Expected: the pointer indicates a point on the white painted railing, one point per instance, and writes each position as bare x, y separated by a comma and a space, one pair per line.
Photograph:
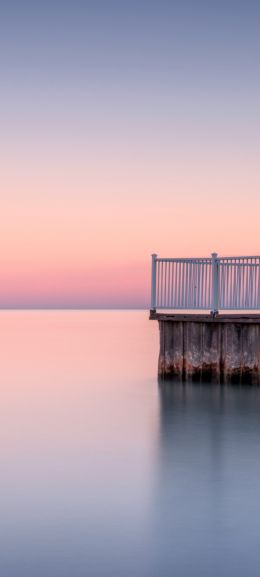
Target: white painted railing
228, 283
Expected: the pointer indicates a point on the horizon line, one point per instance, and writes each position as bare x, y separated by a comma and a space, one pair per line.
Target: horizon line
74, 308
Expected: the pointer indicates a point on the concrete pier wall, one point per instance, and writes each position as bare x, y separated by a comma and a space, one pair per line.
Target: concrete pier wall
199, 347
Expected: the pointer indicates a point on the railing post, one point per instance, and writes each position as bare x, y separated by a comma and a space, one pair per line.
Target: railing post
153, 283
214, 303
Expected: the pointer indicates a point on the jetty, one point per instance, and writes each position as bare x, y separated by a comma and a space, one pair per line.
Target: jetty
208, 310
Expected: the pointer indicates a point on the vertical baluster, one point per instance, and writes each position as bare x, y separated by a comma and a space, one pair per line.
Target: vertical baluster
188, 285
205, 293
234, 286
178, 284
166, 282
175, 284
157, 291
209, 282
242, 284
202, 303
197, 284
239, 284
181, 270
225, 282
162, 273
158, 282
235, 283
181, 288
169, 281
246, 284
249, 285
207, 289
224, 273
195, 268
185, 284
230, 272
191, 284
250, 305
258, 287
253, 282
257, 283
255, 301
222, 267
172, 293
182, 285
173, 279
207, 304
153, 281
220, 283
170, 284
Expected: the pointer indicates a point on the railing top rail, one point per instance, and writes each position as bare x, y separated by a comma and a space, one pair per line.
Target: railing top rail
238, 257
199, 259
240, 264
206, 259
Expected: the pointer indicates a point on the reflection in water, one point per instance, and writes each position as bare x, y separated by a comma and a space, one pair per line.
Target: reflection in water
78, 430
207, 503
105, 474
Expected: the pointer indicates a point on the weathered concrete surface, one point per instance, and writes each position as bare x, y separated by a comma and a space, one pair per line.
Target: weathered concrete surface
215, 349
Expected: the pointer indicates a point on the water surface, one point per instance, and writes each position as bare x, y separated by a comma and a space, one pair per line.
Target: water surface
106, 473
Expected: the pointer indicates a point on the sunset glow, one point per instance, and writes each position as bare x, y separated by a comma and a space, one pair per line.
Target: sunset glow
134, 139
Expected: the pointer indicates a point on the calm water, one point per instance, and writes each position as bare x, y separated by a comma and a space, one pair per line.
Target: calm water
103, 472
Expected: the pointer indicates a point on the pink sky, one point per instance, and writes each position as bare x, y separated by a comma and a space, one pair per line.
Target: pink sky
123, 133
92, 247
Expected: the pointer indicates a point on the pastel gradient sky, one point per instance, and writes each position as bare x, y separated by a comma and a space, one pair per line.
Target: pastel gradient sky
127, 127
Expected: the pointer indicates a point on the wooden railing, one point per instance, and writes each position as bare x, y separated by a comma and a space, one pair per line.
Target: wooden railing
227, 283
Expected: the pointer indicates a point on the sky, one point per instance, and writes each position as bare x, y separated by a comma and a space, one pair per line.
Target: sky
127, 128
